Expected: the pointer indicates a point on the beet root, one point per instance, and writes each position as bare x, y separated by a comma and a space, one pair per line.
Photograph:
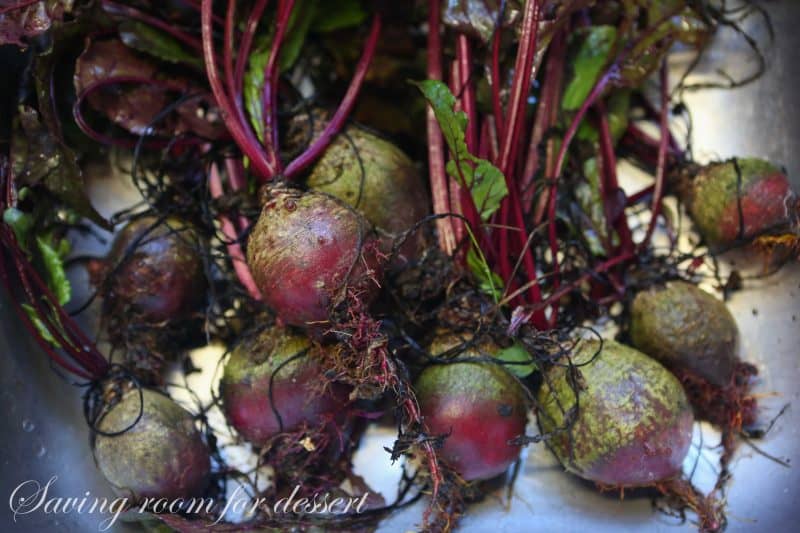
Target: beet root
154, 271
695, 336
305, 249
734, 201
272, 384
686, 328
629, 424
378, 180
479, 407
161, 456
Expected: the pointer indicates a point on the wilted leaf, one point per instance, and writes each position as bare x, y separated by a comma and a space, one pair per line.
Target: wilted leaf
591, 56
485, 182
39, 158
30, 20
152, 41
135, 106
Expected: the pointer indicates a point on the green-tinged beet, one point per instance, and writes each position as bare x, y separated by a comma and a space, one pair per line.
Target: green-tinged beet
154, 271
161, 456
480, 408
286, 362
377, 179
632, 425
686, 328
735, 201
304, 249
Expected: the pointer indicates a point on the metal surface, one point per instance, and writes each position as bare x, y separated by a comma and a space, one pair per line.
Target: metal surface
42, 433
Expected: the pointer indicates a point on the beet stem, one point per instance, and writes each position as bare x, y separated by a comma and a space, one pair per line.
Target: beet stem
270, 90
241, 132
546, 118
345, 106
658, 191
234, 248
247, 43
436, 156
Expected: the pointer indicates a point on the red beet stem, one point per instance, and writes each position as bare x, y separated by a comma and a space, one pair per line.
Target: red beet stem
436, 170
346, 105
89, 363
241, 132
497, 107
229, 231
247, 43
658, 191
195, 4
546, 117
609, 183
270, 90
459, 196
520, 87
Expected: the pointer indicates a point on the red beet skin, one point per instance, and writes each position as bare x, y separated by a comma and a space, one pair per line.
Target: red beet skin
477, 447
633, 425
732, 202
763, 207
304, 249
297, 395
155, 269
479, 407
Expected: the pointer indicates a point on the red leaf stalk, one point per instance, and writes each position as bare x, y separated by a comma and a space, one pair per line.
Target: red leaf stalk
229, 231
658, 191
436, 155
345, 106
240, 131
270, 92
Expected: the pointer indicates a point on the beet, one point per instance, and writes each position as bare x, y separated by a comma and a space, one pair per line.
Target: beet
154, 271
161, 456
717, 193
377, 179
303, 251
686, 328
297, 393
633, 423
479, 407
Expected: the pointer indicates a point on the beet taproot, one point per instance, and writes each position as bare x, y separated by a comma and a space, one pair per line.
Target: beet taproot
479, 407
630, 423
305, 249
272, 383
154, 271
161, 456
686, 328
377, 179
734, 201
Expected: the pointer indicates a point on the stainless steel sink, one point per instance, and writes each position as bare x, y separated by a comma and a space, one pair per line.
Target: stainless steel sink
43, 435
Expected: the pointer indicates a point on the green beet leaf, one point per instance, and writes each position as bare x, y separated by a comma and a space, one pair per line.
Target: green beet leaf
485, 182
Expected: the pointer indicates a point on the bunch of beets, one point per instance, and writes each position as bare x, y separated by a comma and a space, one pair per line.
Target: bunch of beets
397, 213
